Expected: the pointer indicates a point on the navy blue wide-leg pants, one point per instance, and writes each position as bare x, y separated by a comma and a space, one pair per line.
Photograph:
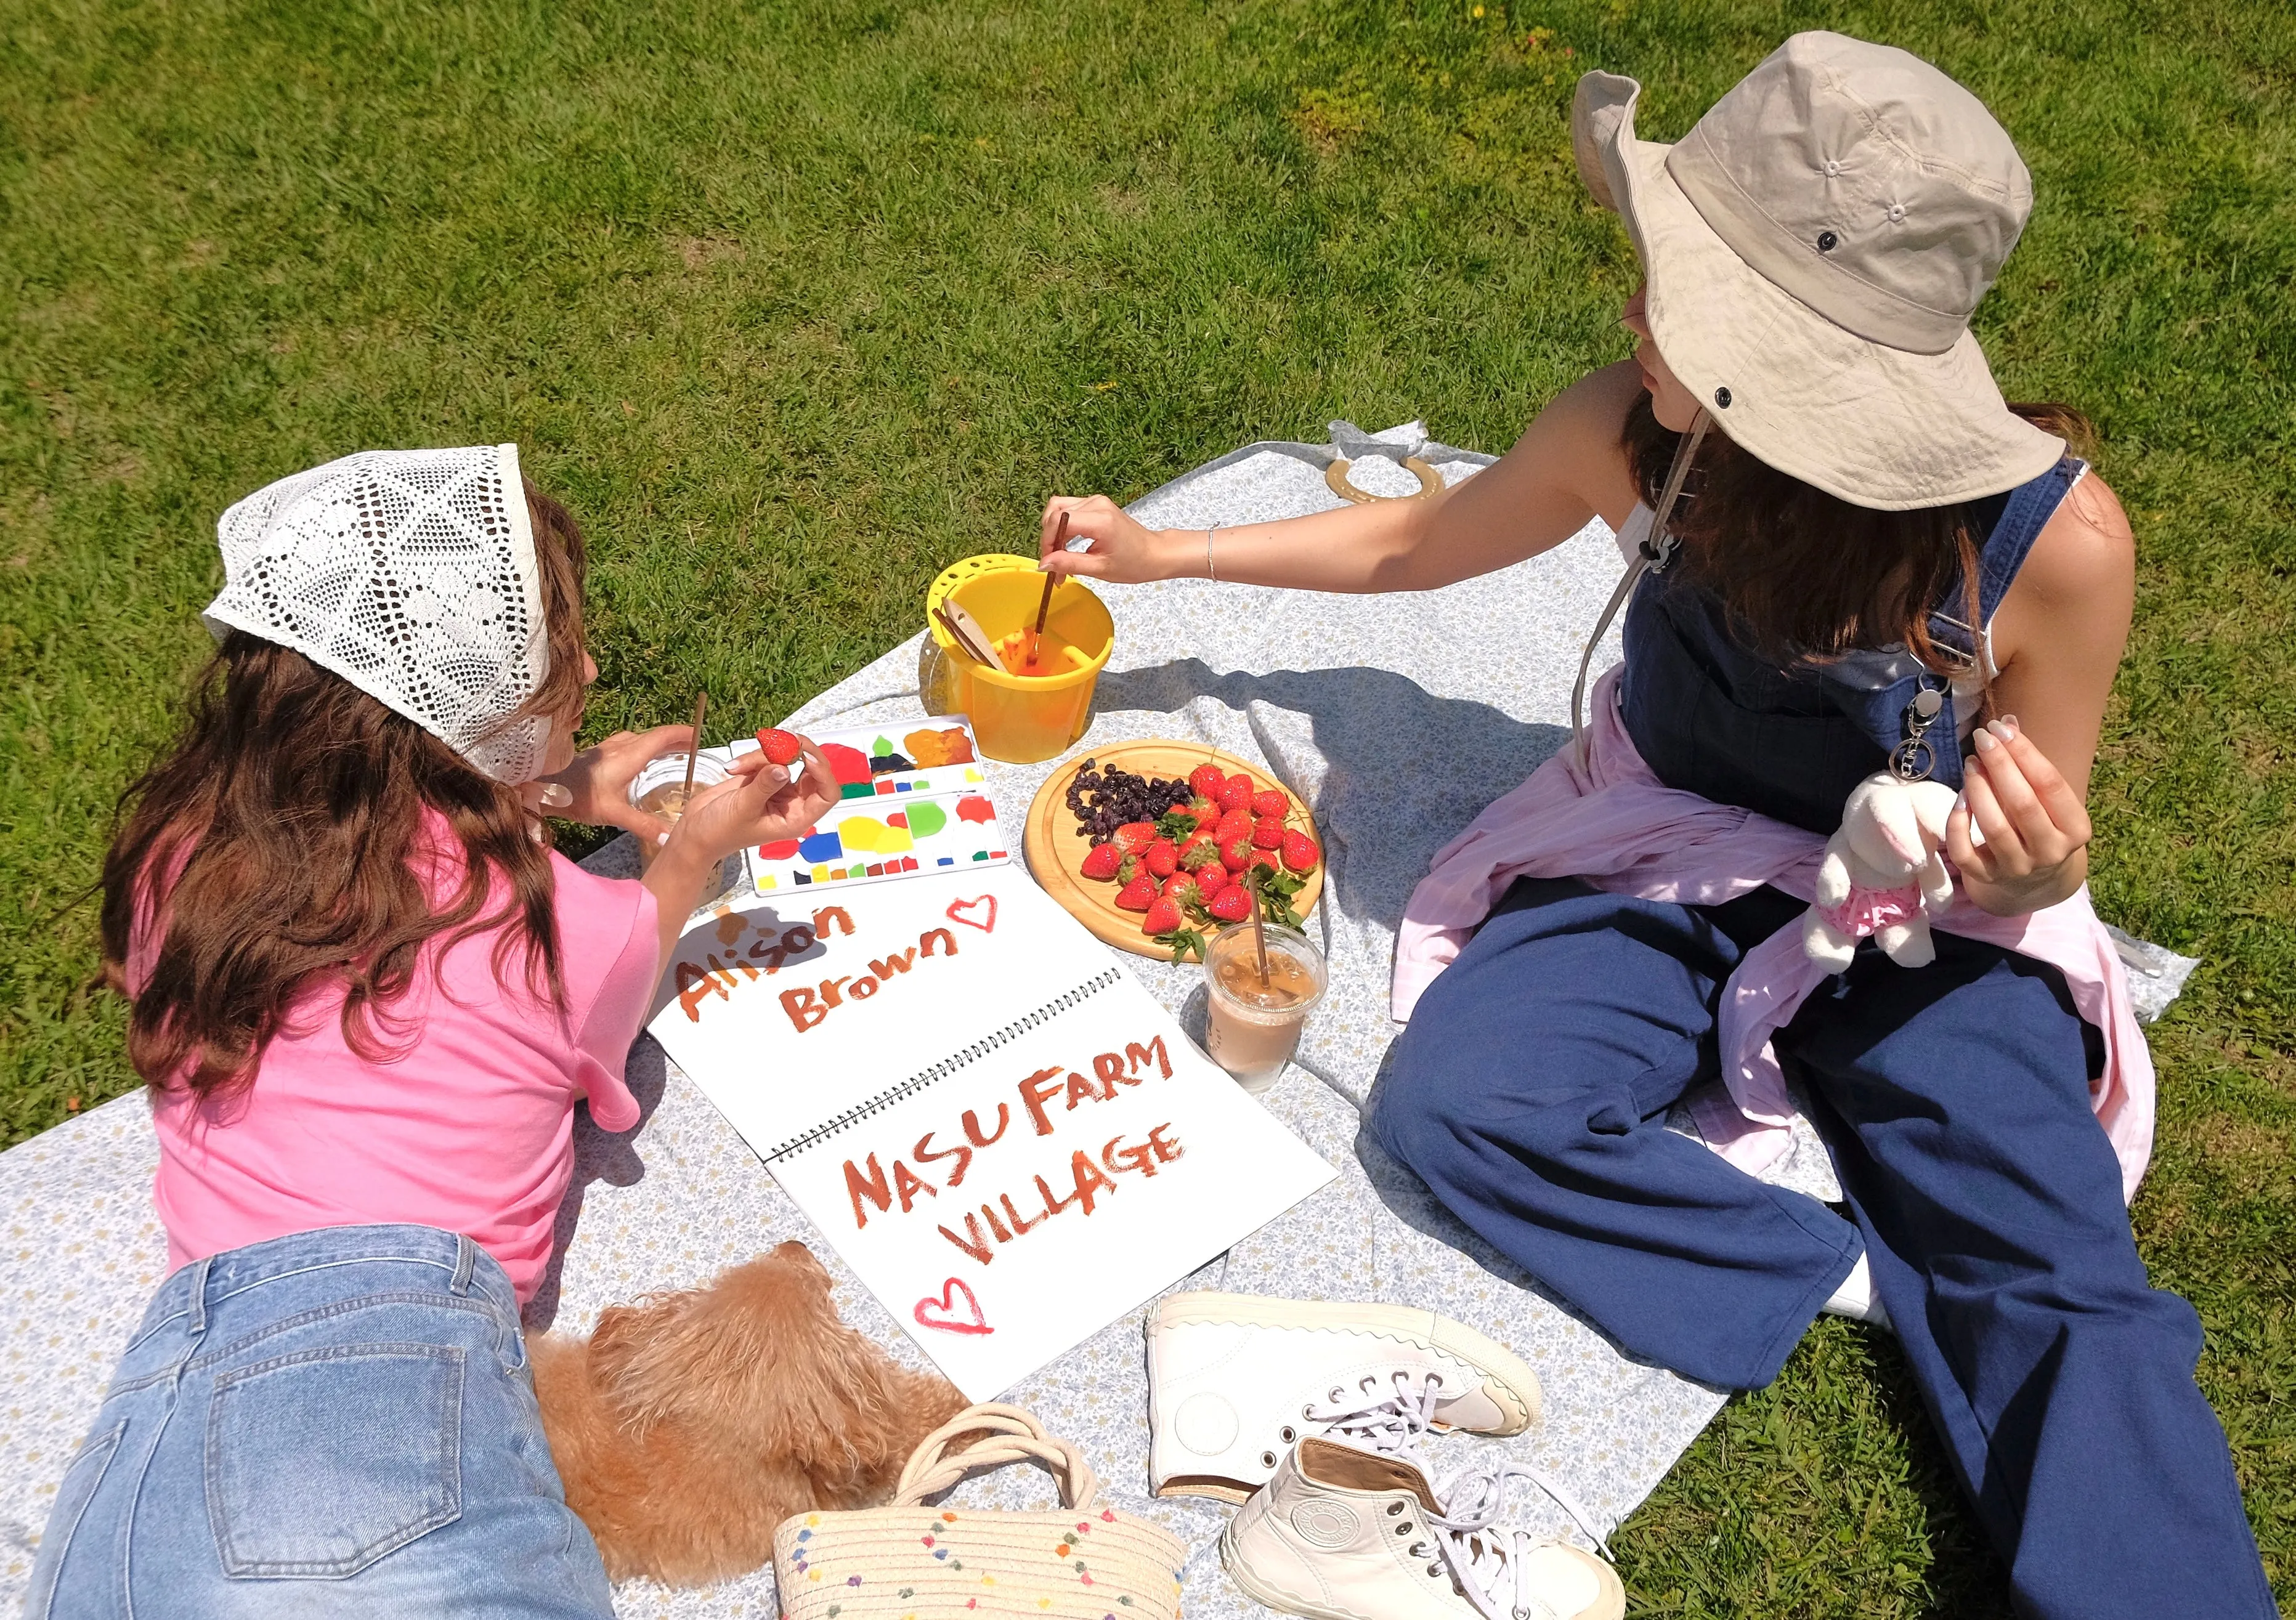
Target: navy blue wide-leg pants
1529, 1094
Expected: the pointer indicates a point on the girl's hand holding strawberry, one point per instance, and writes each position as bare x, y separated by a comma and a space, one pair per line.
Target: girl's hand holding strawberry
757, 804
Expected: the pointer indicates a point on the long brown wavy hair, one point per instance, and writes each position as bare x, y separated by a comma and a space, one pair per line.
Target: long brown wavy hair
1806, 575
280, 846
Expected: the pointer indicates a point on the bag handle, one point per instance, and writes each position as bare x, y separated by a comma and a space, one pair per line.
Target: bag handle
1000, 1435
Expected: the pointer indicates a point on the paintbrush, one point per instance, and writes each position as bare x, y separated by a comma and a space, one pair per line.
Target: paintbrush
967, 635
694, 754
1044, 603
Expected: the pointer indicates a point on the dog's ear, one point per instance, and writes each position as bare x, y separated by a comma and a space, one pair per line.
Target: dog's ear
619, 1332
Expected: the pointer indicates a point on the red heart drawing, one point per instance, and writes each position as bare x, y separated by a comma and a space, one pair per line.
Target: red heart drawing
961, 910
946, 1305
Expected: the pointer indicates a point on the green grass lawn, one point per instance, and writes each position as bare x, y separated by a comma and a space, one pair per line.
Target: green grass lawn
796, 303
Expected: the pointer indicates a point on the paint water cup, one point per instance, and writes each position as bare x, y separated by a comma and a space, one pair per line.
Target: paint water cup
1251, 1026
1021, 718
660, 790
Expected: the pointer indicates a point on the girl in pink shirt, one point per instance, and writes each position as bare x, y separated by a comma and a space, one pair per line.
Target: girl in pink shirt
368, 995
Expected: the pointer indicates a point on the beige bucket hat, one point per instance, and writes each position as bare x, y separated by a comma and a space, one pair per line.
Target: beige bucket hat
1813, 250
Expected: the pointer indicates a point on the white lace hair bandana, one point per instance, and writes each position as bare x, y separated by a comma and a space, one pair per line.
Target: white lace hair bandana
412, 574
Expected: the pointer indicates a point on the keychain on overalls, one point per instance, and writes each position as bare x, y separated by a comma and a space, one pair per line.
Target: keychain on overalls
1916, 757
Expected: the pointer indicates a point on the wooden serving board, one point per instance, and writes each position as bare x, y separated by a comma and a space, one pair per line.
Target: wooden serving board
1056, 853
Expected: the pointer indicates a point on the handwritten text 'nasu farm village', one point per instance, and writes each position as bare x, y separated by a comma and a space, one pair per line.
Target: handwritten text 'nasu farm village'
1045, 1097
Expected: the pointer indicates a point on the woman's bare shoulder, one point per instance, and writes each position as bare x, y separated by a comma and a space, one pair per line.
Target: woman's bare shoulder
2074, 597
1583, 429
2085, 557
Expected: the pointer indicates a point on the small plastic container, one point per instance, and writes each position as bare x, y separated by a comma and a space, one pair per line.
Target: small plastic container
1252, 1032
1023, 718
660, 787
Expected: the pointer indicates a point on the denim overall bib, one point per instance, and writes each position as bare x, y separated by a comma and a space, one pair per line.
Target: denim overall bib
1710, 717
1530, 1088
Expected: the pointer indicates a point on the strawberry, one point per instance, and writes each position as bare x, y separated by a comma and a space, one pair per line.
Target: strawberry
1235, 793
1232, 903
1212, 877
1267, 833
1203, 809
1137, 895
1235, 854
1100, 862
1270, 801
1299, 851
1234, 824
1181, 888
1266, 857
1164, 917
1207, 778
781, 747
1162, 858
1197, 850
1132, 835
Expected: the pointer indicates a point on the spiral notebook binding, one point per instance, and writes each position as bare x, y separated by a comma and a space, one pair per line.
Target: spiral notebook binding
955, 1060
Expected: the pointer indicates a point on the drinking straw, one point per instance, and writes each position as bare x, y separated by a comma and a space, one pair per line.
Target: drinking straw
694, 754
1259, 924
1044, 603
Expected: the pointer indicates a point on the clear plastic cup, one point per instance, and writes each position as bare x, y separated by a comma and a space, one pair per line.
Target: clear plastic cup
660, 788
1252, 1029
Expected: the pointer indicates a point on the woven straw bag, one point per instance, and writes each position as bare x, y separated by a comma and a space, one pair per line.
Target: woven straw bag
907, 1561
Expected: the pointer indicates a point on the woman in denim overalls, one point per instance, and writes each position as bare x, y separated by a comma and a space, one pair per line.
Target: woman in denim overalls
1872, 558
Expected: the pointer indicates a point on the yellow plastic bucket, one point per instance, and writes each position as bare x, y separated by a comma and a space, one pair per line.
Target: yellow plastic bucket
1022, 718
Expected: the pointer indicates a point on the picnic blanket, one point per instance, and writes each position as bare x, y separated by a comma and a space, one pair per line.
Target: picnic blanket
1397, 718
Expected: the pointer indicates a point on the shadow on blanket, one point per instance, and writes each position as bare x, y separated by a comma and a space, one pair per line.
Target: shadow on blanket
1402, 769
600, 1155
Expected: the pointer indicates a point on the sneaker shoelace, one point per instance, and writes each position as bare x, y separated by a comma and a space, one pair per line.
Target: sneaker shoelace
1388, 1415
1489, 1563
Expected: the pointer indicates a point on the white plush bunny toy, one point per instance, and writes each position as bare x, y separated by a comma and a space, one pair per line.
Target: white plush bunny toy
1879, 874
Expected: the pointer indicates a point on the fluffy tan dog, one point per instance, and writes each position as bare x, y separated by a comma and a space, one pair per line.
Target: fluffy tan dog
690, 1424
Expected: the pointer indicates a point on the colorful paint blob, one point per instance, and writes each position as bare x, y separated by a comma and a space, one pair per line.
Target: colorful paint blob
867, 834
925, 818
941, 748
863, 841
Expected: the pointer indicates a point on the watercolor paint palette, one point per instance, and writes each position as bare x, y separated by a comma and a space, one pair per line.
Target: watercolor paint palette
936, 755
870, 839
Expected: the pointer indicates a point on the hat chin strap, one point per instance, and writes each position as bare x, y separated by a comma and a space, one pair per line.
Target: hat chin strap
1656, 550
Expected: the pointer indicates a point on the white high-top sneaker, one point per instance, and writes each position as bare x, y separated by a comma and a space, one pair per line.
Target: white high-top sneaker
1234, 1380
1344, 1534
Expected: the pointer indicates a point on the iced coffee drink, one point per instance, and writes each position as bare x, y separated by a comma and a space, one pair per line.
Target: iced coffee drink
1252, 1024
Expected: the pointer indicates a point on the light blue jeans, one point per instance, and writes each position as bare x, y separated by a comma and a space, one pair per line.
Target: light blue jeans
340, 1422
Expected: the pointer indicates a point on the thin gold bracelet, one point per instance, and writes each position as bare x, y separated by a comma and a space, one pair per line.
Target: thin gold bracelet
1210, 572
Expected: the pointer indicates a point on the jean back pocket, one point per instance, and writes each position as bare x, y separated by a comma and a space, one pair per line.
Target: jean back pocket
321, 1462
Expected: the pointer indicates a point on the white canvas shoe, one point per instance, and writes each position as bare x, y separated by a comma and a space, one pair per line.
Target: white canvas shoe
1234, 1380
1340, 1532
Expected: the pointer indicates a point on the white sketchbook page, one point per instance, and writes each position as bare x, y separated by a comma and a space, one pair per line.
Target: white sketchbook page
1030, 1023
791, 1011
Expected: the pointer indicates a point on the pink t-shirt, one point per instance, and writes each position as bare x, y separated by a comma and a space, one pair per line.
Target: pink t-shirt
470, 1126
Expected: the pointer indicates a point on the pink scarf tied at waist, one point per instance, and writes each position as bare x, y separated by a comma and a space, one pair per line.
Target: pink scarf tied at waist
1613, 824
